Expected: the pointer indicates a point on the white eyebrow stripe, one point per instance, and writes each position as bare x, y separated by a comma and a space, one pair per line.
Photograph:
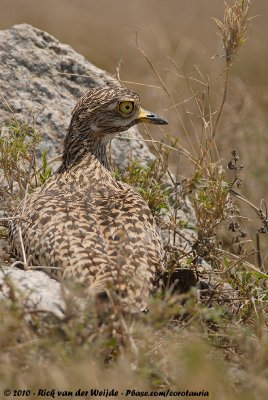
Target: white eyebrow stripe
112, 106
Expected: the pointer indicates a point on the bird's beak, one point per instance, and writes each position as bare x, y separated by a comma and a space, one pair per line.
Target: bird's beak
151, 118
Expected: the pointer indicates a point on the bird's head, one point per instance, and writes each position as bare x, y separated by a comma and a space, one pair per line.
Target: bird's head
98, 116
110, 110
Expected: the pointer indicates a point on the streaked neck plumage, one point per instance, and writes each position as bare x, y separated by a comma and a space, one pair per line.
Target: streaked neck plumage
77, 145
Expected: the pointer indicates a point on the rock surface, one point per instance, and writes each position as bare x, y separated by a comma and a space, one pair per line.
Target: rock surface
40, 81
34, 288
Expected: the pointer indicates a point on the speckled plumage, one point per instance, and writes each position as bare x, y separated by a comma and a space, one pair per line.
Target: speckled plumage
84, 224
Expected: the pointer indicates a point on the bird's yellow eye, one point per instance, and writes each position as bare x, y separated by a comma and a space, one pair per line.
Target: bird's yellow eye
126, 107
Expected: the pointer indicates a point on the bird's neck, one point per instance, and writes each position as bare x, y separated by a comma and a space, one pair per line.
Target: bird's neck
79, 145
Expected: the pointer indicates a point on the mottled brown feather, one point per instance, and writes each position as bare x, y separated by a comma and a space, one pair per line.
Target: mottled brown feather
83, 223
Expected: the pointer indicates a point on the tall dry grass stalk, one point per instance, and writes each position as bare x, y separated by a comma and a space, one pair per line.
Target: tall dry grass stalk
232, 31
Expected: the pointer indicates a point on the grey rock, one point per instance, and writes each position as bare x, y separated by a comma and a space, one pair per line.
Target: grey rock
34, 289
41, 80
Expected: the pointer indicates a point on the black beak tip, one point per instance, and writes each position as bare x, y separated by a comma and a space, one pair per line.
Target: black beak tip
163, 122
156, 119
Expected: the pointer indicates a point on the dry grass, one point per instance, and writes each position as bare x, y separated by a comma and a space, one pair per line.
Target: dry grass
208, 338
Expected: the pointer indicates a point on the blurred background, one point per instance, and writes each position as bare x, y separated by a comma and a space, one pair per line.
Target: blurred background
176, 35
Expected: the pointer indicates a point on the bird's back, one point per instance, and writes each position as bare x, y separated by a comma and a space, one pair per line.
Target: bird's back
88, 228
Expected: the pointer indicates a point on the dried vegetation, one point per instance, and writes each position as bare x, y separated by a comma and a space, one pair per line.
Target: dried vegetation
211, 335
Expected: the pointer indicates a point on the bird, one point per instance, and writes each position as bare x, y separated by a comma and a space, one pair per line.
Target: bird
84, 226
